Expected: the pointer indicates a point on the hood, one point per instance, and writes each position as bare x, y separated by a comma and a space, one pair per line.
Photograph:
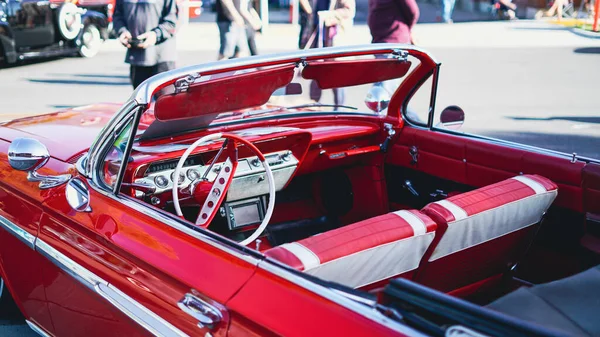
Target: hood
66, 133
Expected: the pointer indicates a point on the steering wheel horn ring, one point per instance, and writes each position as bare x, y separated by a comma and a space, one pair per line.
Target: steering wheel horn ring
221, 184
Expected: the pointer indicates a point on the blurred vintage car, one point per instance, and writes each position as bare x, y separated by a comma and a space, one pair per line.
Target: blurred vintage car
31, 29
247, 197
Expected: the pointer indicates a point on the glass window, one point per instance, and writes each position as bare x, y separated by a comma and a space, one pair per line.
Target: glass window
114, 158
417, 109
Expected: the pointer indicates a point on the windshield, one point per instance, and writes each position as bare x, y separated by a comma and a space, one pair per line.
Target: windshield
357, 85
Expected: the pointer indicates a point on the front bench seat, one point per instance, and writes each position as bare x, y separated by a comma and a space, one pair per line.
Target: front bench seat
571, 304
482, 233
364, 253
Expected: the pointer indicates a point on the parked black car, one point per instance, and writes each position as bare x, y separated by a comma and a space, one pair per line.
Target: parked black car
41, 28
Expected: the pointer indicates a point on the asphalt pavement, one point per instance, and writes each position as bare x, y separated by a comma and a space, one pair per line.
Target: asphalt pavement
525, 81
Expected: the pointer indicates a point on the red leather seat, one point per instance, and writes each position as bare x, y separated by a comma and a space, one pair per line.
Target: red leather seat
363, 253
482, 233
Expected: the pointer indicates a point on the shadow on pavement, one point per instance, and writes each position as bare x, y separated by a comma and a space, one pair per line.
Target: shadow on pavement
540, 28
33, 61
93, 75
79, 82
587, 50
586, 146
561, 118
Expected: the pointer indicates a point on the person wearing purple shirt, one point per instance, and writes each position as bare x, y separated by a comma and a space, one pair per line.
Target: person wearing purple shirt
391, 21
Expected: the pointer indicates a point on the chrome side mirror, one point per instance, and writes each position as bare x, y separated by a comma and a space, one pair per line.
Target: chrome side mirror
452, 117
78, 195
377, 98
27, 154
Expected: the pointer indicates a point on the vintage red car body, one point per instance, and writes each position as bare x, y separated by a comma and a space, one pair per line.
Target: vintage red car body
117, 267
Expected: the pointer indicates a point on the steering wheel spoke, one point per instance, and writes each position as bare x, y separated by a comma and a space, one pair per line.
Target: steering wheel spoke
217, 193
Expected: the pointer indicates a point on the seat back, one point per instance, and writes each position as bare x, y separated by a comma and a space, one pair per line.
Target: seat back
482, 233
365, 253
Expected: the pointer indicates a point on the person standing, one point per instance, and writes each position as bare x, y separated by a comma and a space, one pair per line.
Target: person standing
392, 21
336, 16
232, 16
306, 22
447, 9
253, 25
147, 29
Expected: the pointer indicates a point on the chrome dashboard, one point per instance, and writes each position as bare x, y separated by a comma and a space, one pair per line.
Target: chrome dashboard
249, 179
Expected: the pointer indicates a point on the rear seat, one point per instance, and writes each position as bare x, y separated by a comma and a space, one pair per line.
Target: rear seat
482, 233
570, 305
364, 253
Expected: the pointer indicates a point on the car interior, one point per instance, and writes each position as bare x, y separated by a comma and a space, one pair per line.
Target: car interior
445, 228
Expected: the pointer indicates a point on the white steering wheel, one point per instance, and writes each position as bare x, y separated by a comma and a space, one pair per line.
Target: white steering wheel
216, 191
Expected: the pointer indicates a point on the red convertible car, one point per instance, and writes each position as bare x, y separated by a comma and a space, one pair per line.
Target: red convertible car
319, 192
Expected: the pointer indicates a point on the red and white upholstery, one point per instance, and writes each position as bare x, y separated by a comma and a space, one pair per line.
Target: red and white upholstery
483, 232
365, 252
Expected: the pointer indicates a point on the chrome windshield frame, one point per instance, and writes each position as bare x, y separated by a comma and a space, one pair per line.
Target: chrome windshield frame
143, 95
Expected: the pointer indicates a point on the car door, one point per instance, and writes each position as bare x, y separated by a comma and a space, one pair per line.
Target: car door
121, 269
32, 23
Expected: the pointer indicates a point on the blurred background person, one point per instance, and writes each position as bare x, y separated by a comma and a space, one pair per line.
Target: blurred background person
392, 21
306, 22
147, 29
447, 9
231, 20
333, 18
253, 25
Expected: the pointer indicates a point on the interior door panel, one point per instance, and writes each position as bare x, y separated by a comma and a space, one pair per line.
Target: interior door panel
478, 163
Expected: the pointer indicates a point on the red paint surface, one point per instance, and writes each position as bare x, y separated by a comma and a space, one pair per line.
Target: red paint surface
65, 133
284, 303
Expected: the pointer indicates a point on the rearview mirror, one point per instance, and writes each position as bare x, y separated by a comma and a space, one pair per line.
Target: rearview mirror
28, 154
377, 98
452, 117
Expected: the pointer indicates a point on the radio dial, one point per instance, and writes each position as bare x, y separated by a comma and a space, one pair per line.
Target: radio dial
255, 162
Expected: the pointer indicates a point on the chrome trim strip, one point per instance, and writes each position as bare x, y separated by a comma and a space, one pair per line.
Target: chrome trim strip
334, 296
127, 305
18, 232
36, 328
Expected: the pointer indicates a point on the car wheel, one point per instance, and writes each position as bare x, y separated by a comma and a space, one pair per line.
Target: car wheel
91, 40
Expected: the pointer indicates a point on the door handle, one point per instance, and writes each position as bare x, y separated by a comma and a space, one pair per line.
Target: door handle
206, 314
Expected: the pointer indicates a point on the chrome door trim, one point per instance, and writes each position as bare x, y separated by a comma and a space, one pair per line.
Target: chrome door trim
18, 232
336, 297
36, 328
127, 305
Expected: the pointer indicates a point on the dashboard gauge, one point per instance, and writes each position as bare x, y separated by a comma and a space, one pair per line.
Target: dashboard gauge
161, 181
192, 174
181, 177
